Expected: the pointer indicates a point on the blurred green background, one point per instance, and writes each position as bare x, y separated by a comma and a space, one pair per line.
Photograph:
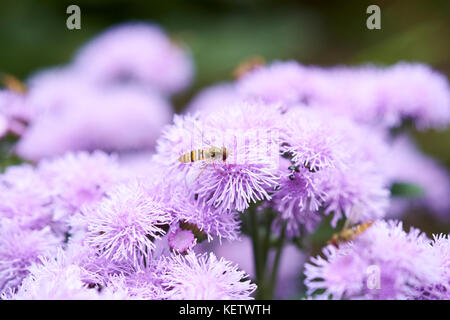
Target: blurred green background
221, 34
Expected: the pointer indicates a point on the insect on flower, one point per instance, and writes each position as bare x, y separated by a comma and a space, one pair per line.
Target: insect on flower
208, 155
349, 234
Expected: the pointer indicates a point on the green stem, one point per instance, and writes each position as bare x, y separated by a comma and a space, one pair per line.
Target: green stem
266, 244
276, 264
253, 228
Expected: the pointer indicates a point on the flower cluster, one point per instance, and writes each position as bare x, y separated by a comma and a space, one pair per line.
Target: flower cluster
121, 204
384, 262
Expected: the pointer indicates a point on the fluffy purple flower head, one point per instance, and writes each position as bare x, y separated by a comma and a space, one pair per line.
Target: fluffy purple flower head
144, 282
19, 248
25, 197
53, 90
383, 96
250, 170
57, 279
280, 82
118, 118
415, 91
126, 223
14, 113
384, 262
204, 221
406, 164
214, 98
334, 168
136, 53
314, 139
80, 179
439, 248
298, 200
204, 277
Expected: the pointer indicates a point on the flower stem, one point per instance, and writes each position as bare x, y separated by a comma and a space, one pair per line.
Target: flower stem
276, 264
253, 227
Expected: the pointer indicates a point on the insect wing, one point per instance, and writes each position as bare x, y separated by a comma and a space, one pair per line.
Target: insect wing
194, 173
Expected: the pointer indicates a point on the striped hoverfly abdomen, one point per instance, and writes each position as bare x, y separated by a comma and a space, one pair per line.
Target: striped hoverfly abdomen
213, 153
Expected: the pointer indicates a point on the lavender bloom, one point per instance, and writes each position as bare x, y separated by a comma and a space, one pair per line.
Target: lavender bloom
213, 98
279, 82
25, 197
199, 277
379, 95
79, 179
117, 118
384, 262
204, 221
299, 199
417, 92
19, 248
250, 172
57, 279
382, 96
124, 225
14, 113
406, 164
136, 53
440, 248
333, 170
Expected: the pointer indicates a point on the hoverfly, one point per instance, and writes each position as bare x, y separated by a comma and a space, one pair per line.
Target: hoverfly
349, 234
208, 155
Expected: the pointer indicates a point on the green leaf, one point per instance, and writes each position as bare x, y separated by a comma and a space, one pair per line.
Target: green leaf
408, 190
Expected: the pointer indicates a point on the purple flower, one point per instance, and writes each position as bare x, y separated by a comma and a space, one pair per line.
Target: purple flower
334, 167
299, 199
406, 164
249, 173
204, 277
19, 248
14, 113
54, 278
25, 197
380, 95
136, 53
440, 249
384, 262
279, 82
204, 221
214, 98
117, 118
125, 224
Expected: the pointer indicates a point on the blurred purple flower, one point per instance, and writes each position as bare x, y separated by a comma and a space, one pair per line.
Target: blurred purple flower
119, 118
19, 248
406, 164
215, 97
25, 197
136, 53
14, 113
